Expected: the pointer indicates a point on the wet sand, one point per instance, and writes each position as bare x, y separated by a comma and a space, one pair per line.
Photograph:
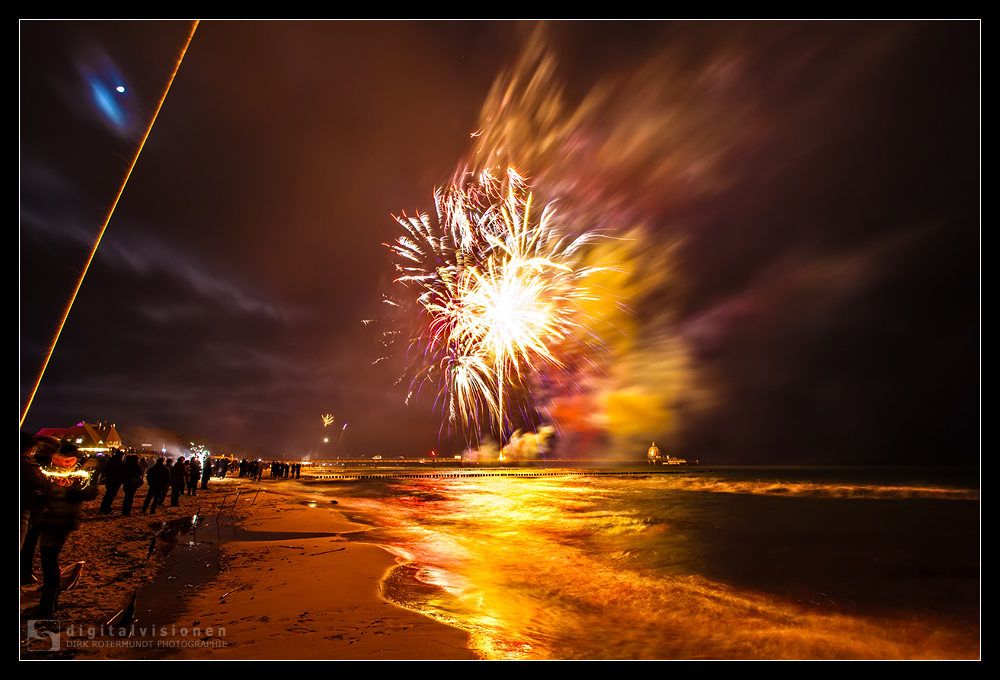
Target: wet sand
306, 598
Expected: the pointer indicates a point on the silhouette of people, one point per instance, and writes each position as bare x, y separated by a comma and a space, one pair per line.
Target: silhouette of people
158, 479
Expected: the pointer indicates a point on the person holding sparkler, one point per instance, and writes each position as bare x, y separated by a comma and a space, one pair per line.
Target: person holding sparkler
66, 486
36, 453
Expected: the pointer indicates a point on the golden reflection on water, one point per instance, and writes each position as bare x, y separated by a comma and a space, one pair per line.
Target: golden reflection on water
533, 570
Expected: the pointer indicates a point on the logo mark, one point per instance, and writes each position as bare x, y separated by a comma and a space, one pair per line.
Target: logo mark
45, 629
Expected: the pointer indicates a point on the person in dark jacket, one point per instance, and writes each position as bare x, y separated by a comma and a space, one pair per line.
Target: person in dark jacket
178, 480
114, 477
66, 487
194, 473
206, 473
37, 456
158, 479
133, 480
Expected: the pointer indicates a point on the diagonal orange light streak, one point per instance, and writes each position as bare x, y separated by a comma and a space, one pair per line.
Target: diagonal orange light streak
97, 242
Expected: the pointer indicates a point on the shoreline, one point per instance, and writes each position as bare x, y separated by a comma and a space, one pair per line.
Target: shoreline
278, 582
313, 597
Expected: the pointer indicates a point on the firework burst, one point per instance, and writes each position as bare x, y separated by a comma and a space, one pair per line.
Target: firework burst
501, 287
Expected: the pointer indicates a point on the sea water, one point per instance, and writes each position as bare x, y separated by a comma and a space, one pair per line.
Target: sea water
723, 563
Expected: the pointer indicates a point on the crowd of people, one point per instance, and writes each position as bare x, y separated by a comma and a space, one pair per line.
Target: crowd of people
126, 471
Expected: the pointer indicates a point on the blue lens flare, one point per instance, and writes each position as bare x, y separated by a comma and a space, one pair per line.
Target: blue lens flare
108, 94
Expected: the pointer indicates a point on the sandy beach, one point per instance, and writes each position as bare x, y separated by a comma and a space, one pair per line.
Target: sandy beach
283, 583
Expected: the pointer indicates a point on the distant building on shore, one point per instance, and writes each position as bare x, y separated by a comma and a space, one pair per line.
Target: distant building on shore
655, 457
92, 438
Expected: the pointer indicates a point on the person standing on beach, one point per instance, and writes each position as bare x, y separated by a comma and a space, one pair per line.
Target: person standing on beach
206, 473
36, 454
170, 475
178, 480
158, 479
133, 480
114, 477
194, 472
66, 487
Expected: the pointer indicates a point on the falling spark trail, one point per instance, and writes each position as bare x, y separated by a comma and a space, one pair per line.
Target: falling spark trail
104, 227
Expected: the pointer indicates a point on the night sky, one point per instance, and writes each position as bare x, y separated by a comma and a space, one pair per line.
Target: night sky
805, 198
